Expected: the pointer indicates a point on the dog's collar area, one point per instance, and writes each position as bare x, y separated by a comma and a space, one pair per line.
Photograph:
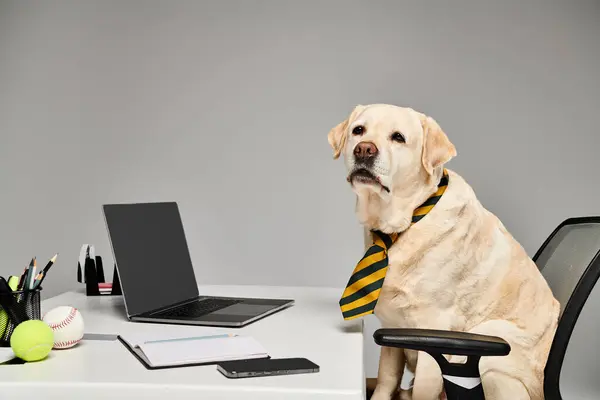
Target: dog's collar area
428, 204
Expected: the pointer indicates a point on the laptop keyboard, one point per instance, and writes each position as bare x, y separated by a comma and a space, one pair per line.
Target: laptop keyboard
198, 308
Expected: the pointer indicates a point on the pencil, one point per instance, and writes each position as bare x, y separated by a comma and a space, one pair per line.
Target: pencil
43, 273
22, 279
25, 276
50, 264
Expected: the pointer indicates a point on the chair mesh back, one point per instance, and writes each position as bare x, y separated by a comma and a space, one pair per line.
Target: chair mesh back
580, 372
566, 257
568, 264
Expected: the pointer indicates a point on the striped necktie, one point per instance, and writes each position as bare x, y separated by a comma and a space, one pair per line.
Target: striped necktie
362, 290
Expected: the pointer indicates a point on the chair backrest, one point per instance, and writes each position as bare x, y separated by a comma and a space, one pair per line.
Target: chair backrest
569, 260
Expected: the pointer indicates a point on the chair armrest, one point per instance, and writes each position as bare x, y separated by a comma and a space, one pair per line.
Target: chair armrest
442, 342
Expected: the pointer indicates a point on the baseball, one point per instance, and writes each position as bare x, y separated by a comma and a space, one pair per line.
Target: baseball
67, 324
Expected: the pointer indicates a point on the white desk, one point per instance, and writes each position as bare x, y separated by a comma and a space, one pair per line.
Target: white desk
312, 328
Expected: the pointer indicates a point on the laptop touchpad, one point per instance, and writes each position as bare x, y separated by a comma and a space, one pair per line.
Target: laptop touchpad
243, 309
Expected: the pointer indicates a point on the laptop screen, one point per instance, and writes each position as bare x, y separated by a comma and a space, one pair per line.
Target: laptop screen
151, 253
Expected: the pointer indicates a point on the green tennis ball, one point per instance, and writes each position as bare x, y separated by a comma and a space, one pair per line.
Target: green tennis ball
3, 322
32, 340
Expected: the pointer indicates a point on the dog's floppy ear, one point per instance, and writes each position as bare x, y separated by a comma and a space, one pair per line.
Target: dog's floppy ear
337, 138
437, 148
337, 135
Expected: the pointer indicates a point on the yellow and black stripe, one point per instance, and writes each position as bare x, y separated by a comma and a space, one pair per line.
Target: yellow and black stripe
363, 288
428, 204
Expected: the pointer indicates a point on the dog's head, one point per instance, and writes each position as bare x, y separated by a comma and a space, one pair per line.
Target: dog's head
394, 158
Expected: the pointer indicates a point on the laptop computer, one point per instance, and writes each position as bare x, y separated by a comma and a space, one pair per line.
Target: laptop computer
157, 277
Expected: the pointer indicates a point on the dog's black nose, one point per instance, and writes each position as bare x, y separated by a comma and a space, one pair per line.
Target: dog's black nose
365, 150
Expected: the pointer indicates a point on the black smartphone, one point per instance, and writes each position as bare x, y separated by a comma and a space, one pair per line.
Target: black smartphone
266, 367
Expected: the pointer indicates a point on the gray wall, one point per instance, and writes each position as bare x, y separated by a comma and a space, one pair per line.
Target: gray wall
225, 107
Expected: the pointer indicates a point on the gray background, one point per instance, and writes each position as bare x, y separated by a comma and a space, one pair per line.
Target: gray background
225, 107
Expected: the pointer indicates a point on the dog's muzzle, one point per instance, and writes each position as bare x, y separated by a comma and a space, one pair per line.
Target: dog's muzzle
364, 175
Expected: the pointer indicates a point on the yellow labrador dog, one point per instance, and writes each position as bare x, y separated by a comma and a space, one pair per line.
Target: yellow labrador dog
455, 269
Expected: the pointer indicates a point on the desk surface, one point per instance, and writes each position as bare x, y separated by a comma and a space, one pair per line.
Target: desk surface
312, 328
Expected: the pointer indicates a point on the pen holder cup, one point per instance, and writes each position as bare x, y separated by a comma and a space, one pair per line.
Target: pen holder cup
26, 305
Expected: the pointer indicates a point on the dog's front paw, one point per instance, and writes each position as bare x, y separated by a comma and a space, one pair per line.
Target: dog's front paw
383, 394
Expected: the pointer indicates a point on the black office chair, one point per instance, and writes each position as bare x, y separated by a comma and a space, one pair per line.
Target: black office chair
570, 262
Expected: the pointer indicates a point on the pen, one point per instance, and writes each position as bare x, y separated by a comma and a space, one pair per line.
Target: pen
32, 274
191, 338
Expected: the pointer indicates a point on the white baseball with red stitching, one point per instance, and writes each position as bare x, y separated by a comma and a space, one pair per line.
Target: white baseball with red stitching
67, 324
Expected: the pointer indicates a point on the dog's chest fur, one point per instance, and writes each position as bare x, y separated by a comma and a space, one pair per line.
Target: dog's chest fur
440, 276
417, 294
422, 288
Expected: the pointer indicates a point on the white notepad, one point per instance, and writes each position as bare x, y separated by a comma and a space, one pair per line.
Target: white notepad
164, 352
6, 354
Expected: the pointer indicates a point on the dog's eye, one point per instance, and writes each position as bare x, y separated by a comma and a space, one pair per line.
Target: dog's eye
398, 137
358, 130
